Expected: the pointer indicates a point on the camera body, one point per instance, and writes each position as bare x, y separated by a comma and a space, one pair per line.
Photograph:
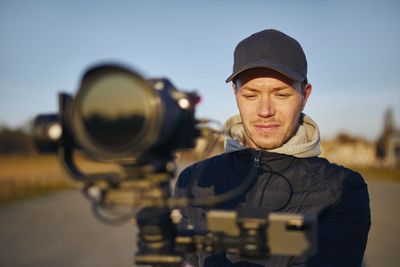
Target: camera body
117, 115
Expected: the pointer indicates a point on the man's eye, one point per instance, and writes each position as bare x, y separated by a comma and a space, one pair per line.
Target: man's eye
250, 96
282, 95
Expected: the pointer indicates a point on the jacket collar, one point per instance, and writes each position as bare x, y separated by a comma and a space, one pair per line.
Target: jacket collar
267, 160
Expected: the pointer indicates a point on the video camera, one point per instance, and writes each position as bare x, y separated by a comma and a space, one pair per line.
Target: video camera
119, 116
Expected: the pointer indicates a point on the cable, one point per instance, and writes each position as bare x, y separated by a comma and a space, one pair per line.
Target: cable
290, 190
115, 219
211, 201
285, 179
245, 185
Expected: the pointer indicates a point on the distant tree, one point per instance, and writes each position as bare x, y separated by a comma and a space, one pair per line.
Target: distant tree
346, 138
388, 121
15, 141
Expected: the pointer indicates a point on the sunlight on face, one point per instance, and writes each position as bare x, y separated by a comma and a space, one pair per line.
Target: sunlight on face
270, 105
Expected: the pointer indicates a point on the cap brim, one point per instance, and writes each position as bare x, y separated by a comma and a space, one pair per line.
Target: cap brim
268, 65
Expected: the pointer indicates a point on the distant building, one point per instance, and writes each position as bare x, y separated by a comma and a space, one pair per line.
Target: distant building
349, 151
388, 145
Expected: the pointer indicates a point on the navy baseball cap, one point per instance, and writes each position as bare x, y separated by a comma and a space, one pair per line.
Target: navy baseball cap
270, 49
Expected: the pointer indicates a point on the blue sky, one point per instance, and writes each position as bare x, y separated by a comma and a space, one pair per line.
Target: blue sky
352, 49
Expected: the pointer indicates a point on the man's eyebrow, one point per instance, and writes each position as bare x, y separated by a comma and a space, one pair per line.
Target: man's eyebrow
249, 88
245, 87
283, 87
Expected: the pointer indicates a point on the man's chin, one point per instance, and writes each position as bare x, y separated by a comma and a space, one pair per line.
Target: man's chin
264, 141
271, 144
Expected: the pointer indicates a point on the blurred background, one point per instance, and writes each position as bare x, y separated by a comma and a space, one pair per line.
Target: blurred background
45, 46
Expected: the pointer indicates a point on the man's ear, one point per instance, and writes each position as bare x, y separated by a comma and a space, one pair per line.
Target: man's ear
306, 93
234, 88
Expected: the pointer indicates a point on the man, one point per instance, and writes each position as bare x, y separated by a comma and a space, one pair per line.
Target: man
272, 134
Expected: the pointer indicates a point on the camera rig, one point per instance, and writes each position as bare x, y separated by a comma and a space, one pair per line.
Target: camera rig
118, 116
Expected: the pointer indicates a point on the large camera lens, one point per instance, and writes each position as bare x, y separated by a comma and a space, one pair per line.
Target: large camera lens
116, 112
114, 109
118, 115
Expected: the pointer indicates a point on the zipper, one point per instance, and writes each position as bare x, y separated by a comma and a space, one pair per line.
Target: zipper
257, 159
235, 257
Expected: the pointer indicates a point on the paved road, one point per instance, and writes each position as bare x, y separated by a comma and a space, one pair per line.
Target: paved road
59, 230
383, 247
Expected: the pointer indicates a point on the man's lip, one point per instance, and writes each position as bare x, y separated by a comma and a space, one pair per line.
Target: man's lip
266, 127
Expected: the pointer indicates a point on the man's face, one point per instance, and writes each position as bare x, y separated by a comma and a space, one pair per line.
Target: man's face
270, 105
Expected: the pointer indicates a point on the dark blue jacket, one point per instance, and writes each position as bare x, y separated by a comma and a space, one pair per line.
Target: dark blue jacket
285, 183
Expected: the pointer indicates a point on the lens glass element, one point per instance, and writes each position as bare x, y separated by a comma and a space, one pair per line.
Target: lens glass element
114, 109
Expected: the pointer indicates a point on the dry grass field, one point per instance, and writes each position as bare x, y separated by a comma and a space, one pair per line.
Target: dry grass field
379, 174
26, 176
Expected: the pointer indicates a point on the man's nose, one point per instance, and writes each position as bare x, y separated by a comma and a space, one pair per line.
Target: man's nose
266, 107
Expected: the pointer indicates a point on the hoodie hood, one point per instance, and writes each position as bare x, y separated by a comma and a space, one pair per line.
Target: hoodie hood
305, 143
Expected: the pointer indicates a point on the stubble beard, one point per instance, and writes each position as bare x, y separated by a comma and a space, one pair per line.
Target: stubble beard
267, 141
